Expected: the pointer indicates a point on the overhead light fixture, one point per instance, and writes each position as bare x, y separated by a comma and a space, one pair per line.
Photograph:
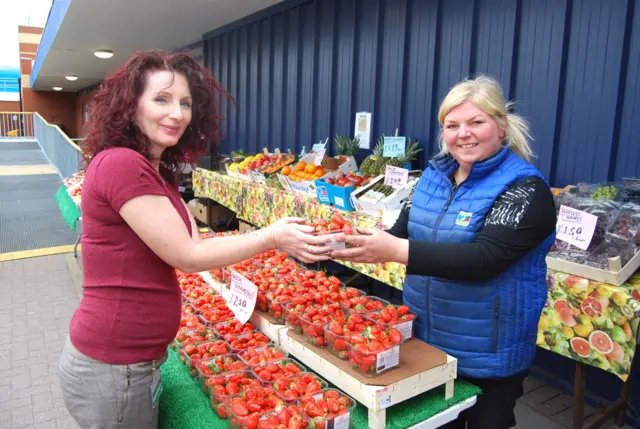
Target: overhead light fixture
71, 77
57, 88
103, 53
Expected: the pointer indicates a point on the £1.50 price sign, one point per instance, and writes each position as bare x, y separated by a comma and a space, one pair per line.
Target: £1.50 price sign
243, 297
576, 227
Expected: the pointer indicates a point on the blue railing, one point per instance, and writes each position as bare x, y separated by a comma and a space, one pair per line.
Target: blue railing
65, 155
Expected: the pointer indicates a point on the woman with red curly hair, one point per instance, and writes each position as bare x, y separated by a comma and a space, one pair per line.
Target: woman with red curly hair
155, 112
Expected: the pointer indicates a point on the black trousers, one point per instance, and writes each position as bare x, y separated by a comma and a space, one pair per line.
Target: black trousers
494, 407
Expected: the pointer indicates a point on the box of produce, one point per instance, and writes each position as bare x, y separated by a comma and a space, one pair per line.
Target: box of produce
253, 357
329, 408
210, 315
302, 176
243, 170
270, 166
222, 387
398, 317
219, 365
292, 388
314, 319
189, 317
247, 410
268, 373
336, 191
377, 197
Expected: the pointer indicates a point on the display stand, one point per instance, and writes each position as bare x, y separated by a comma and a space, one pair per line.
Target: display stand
375, 398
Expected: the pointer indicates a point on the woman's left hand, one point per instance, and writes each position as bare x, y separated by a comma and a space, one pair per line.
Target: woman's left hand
373, 246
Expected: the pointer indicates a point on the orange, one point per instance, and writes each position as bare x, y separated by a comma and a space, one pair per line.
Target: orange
301, 166
319, 172
286, 170
311, 168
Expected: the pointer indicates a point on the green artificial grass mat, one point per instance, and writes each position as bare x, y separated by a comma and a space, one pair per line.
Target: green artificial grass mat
183, 405
68, 208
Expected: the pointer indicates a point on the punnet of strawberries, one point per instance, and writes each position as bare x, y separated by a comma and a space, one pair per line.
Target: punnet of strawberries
324, 407
225, 386
189, 317
248, 339
368, 345
268, 373
363, 304
338, 332
231, 328
191, 354
313, 320
257, 356
292, 388
216, 313
392, 315
246, 409
219, 365
284, 416
186, 336
337, 223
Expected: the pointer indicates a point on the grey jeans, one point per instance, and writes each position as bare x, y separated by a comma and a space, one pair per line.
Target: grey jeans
104, 396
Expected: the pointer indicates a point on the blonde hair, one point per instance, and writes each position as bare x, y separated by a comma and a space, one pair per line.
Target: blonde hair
487, 94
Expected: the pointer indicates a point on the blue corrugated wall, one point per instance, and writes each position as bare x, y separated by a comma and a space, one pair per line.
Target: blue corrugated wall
301, 69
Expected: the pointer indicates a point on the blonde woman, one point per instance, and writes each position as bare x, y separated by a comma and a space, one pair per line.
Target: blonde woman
474, 236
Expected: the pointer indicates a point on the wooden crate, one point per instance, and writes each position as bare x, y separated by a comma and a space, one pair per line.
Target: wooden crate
615, 275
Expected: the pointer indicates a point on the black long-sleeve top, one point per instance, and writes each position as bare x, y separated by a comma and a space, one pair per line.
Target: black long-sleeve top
520, 219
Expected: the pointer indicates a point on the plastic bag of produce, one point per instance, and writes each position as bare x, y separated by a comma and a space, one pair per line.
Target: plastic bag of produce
631, 190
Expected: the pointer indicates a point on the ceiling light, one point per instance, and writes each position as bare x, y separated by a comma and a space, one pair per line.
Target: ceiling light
71, 77
57, 88
103, 53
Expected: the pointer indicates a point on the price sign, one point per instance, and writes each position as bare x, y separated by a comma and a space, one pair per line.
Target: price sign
575, 227
318, 147
394, 146
319, 157
243, 297
395, 176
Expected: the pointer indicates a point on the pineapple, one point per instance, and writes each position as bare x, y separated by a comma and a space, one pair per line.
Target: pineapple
410, 153
370, 165
347, 146
375, 164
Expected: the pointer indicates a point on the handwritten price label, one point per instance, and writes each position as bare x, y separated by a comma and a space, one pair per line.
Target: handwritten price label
243, 297
394, 146
395, 176
317, 147
575, 227
319, 157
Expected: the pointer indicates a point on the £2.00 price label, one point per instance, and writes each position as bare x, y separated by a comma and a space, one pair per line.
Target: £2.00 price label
575, 227
243, 297
395, 176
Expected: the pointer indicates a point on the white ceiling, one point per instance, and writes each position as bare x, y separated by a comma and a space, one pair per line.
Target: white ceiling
125, 26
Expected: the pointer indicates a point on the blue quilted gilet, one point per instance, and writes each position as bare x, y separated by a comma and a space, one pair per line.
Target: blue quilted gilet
489, 326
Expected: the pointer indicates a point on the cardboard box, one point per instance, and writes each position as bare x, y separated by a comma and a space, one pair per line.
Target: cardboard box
337, 196
245, 227
330, 165
392, 202
199, 210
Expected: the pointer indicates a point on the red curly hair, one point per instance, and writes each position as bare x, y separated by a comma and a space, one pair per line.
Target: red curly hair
114, 106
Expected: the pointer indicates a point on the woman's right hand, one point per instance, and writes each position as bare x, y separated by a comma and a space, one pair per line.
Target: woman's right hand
292, 236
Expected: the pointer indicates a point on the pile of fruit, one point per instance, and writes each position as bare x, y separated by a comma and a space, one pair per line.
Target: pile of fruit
251, 163
376, 164
303, 171
276, 164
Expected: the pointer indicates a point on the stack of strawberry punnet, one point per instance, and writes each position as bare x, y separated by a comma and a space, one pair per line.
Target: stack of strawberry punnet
250, 380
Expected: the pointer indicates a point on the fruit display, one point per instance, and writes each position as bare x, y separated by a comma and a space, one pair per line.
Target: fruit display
243, 268
74, 185
288, 416
313, 320
218, 365
352, 178
363, 304
251, 163
273, 371
374, 351
376, 164
228, 329
212, 313
591, 322
290, 389
191, 354
189, 317
346, 145
275, 164
303, 171
398, 317
323, 409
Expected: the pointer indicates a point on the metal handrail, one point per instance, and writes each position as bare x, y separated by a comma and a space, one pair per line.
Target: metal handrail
17, 124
